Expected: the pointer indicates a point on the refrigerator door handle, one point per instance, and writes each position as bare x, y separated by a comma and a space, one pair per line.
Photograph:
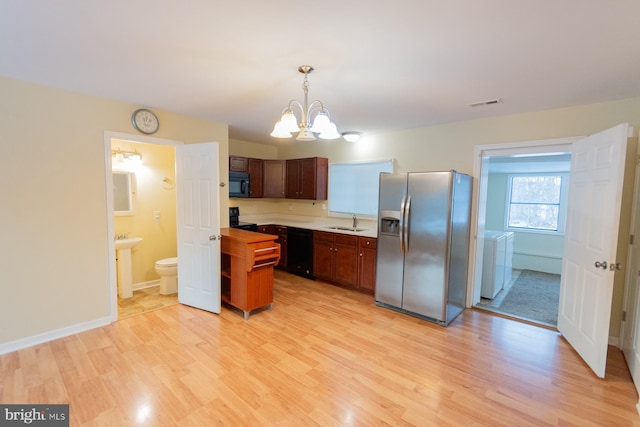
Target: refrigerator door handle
401, 231
407, 225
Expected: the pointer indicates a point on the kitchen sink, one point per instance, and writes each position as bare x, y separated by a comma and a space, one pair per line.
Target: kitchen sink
331, 227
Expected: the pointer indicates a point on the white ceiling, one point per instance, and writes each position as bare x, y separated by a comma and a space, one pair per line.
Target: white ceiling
380, 66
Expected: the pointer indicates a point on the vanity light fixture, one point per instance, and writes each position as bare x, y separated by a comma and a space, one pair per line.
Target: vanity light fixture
121, 156
322, 124
351, 136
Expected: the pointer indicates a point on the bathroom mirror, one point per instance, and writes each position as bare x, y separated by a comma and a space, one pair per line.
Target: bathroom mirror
123, 190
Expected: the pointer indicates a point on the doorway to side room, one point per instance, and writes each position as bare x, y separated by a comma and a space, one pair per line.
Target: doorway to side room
153, 216
523, 206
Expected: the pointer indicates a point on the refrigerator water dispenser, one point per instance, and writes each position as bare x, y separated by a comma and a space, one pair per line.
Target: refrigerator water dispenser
390, 222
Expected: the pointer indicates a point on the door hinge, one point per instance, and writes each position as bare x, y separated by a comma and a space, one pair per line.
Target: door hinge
631, 239
624, 316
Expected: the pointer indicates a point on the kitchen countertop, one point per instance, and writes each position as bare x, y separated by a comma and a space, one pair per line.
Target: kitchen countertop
316, 223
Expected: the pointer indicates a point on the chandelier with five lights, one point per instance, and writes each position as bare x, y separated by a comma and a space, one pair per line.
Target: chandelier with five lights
322, 124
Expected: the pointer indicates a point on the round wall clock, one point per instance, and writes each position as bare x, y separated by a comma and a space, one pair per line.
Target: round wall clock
145, 121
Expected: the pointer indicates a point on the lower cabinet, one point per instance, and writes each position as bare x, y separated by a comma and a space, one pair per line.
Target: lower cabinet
345, 259
367, 264
335, 258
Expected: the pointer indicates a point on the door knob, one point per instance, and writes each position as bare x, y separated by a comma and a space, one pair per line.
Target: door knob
602, 265
616, 266
212, 237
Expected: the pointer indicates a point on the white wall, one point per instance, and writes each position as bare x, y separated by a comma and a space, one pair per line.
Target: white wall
53, 219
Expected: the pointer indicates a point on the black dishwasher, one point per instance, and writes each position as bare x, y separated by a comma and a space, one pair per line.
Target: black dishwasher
300, 252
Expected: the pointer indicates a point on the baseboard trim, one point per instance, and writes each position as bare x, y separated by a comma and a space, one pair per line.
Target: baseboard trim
21, 343
614, 341
145, 285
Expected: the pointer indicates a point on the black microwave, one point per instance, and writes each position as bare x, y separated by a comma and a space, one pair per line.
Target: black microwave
238, 184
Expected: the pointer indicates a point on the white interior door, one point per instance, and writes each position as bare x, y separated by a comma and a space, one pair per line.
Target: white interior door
198, 226
586, 289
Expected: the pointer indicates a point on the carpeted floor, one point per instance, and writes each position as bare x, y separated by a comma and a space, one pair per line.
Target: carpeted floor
534, 295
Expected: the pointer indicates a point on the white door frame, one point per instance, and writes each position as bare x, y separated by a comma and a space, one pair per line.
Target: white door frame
111, 232
482, 152
630, 326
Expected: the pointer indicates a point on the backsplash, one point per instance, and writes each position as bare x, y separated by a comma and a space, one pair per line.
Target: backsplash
284, 206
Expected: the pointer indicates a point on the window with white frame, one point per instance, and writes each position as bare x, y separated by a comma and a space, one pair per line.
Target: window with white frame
537, 202
353, 187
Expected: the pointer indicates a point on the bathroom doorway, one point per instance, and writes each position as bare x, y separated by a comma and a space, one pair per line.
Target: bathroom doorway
151, 164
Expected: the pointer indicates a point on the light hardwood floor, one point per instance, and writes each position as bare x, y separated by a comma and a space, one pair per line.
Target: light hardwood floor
324, 356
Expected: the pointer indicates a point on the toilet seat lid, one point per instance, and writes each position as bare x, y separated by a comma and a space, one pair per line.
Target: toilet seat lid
167, 262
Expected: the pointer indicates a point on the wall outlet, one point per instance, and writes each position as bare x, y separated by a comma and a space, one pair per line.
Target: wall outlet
156, 216
324, 206
290, 207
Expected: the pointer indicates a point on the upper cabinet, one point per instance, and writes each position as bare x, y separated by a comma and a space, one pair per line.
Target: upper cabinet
274, 178
255, 167
307, 178
238, 164
293, 179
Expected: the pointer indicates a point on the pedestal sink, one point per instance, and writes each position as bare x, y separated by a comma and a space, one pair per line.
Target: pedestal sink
123, 258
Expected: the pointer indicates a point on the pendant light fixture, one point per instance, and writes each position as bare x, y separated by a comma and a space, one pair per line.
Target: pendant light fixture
322, 124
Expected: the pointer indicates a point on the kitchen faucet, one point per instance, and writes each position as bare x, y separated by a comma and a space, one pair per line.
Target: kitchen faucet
355, 221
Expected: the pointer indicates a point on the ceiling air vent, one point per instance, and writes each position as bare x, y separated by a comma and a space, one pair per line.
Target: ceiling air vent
487, 102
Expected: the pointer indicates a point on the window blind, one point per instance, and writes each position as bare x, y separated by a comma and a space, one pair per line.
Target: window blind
353, 187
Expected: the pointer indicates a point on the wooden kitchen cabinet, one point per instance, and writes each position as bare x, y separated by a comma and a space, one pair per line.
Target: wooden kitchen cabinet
367, 264
267, 229
307, 178
293, 179
323, 256
335, 258
238, 164
274, 178
281, 232
247, 261
255, 168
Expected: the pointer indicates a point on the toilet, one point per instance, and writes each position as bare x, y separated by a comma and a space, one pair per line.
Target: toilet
167, 269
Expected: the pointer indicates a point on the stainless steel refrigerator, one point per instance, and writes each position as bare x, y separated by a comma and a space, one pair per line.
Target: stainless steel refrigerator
423, 243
